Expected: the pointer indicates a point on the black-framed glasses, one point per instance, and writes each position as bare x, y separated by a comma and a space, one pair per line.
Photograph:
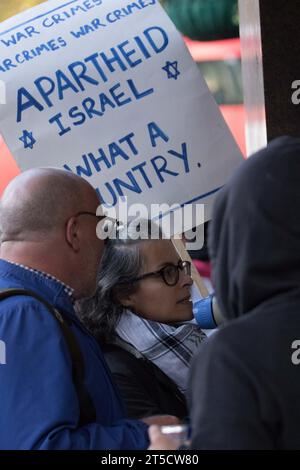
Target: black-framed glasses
169, 273
99, 217
106, 229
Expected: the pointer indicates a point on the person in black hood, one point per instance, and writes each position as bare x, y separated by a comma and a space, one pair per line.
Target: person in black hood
245, 380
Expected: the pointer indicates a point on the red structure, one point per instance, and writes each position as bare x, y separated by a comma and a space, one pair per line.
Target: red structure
220, 64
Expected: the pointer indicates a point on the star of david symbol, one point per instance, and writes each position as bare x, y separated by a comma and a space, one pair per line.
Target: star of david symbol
27, 139
172, 69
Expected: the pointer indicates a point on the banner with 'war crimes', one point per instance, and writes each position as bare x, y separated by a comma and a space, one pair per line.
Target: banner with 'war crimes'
107, 89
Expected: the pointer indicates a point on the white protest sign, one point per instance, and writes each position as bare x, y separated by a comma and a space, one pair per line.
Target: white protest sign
2, 92
108, 90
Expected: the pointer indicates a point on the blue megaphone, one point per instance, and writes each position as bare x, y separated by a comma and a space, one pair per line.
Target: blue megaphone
207, 313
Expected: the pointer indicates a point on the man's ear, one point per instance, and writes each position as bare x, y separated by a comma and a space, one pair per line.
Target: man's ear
72, 234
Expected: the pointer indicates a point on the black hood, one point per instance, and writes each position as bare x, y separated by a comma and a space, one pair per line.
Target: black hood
254, 237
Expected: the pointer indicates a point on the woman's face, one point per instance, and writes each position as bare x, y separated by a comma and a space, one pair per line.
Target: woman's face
155, 300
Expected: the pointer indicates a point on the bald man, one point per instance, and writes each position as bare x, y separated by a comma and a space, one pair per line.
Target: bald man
49, 246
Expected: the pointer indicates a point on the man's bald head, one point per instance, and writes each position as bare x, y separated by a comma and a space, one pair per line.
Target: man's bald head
38, 202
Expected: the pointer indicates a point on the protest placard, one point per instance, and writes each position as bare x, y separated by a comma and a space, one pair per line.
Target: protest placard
108, 90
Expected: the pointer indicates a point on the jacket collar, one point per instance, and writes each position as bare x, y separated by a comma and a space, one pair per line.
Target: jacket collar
49, 288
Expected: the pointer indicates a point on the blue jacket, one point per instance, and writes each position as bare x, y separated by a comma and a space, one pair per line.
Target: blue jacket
38, 400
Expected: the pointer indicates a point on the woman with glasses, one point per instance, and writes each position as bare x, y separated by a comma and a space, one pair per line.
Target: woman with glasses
142, 316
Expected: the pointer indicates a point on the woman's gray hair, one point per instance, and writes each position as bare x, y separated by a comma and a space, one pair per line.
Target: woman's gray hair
120, 265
